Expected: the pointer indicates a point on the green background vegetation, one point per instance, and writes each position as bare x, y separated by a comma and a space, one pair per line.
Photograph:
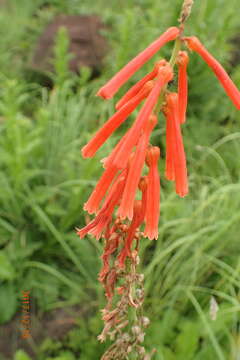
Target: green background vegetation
44, 183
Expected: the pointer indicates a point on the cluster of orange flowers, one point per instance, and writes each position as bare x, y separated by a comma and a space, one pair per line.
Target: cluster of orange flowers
113, 199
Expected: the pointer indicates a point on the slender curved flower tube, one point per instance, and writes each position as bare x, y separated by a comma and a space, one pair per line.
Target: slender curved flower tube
169, 168
138, 217
100, 190
134, 174
107, 161
231, 90
132, 92
137, 87
182, 61
103, 218
164, 76
115, 121
153, 194
179, 159
112, 86
122, 175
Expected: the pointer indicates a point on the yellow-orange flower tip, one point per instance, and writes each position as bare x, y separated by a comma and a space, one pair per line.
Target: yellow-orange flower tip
143, 182
160, 63
166, 72
153, 154
192, 42
182, 58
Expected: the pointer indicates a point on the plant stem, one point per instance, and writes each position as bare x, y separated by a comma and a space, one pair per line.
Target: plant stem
176, 49
172, 62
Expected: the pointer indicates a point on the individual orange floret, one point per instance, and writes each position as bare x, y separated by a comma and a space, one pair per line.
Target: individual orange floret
182, 62
231, 90
153, 194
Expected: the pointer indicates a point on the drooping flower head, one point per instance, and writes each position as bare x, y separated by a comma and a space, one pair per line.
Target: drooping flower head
119, 215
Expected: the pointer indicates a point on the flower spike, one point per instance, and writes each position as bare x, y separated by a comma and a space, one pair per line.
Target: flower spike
231, 90
182, 62
112, 86
119, 215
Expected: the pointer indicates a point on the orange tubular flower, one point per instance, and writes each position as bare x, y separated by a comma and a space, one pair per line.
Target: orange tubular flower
143, 187
153, 194
231, 90
108, 90
108, 161
135, 88
92, 205
179, 159
165, 75
103, 218
115, 121
134, 174
169, 170
183, 60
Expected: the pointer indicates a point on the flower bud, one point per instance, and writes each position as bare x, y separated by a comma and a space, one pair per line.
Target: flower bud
139, 293
136, 330
126, 337
141, 350
140, 337
145, 321
129, 349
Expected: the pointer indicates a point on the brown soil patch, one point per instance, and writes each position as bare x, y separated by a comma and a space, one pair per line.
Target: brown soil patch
87, 45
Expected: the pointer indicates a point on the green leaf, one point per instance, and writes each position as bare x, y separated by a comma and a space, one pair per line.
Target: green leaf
6, 269
8, 302
187, 340
21, 355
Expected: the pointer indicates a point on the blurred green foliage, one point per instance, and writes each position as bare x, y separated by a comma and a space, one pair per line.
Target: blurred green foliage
44, 182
